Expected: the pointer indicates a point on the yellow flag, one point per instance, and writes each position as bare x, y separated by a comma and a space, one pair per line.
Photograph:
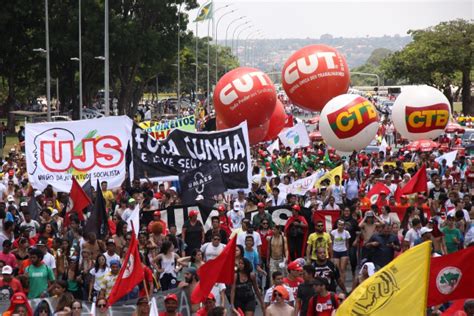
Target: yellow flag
329, 176
406, 165
399, 288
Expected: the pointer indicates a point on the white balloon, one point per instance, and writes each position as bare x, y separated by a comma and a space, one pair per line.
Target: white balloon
421, 112
348, 122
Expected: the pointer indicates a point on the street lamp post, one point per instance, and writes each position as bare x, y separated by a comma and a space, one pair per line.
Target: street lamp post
80, 85
48, 74
106, 60
217, 27
228, 26
80, 62
367, 74
246, 44
179, 63
237, 40
235, 30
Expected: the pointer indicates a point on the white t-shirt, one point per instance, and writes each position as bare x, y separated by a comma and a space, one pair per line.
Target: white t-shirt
109, 258
3, 189
99, 276
412, 235
210, 252
49, 260
269, 294
236, 218
216, 290
337, 192
339, 243
257, 241
34, 225
467, 218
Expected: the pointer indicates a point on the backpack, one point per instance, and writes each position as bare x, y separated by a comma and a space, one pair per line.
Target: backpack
334, 303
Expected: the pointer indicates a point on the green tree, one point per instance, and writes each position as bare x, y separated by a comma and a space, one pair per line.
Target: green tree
438, 56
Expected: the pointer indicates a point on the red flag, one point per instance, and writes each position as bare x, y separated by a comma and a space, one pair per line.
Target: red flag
218, 270
418, 183
374, 192
328, 218
130, 274
79, 200
455, 309
289, 121
451, 277
398, 194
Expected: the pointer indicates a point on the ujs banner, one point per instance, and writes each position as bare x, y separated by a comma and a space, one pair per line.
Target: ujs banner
86, 149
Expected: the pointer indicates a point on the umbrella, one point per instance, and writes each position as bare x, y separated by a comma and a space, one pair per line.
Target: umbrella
314, 120
422, 145
315, 136
453, 127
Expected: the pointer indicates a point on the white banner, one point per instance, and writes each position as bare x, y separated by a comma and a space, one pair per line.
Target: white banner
450, 157
295, 137
86, 149
299, 187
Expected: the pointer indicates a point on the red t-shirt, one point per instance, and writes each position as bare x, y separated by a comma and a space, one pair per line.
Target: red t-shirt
14, 284
148, 280
201, 312
8, 258
293, 284
264, 246
166, 314
324, 306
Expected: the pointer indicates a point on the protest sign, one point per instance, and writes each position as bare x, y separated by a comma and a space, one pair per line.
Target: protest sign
87, 149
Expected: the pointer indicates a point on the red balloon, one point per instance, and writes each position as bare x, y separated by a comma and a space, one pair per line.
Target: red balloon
245, 94
256, 134
314, 75
220, 125
277, 121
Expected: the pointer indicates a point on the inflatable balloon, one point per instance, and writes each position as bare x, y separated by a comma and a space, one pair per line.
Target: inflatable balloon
421, 113
349, 122
277, 121
314, 75
256, 134
245, 94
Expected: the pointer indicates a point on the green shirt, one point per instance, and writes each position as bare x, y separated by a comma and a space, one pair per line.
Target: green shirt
449, 235
38, 278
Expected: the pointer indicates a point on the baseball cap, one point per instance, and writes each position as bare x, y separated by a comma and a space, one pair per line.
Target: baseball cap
281, 289
23, 204
369, 213
173, 189
10, 198
114, 261
19, 298
221, 208
295, 266
171, 297
157, 213
54, 212
190, 270
142, 299
260, 204
131, 200
199, 197
110, 241
41, 243
211, 297
425, 230
193, 213
38, 193
7, 270
296, 207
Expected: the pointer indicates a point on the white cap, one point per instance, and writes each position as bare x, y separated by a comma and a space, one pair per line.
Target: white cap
24, 204
173, 189
425, 230
38, 193
54, 212
7, 270
199, 197
10, 198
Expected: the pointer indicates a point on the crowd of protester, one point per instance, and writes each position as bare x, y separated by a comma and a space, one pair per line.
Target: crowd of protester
303, 267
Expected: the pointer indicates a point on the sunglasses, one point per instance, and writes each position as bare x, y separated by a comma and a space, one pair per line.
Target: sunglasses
264, 223
101, 305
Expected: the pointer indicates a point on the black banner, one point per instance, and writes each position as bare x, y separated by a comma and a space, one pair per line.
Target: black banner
205, 180
177, 215
182, 151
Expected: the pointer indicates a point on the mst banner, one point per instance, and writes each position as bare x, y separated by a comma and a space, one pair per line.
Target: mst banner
182, 151
160, 130
86, 149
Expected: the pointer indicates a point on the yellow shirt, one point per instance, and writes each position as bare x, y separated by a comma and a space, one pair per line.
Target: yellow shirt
109, 198
317, 240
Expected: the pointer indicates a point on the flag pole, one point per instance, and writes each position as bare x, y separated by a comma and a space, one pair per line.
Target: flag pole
197, 63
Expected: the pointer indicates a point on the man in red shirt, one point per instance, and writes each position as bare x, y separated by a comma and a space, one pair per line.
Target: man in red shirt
6, 256
294, 279
324, 303
209, 304
171, 306
8, 282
